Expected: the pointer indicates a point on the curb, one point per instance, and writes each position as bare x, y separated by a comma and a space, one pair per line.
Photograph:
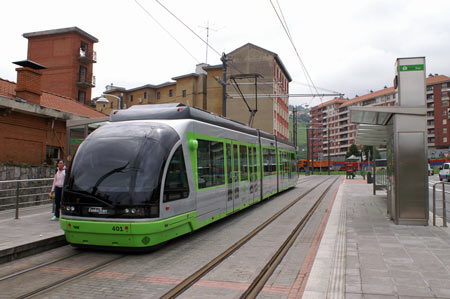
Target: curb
11, 254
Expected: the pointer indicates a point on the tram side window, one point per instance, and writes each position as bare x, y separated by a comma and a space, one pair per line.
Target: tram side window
210, 164
244, 162
270, 162
176, 185
266, 161
273, 161
255, 162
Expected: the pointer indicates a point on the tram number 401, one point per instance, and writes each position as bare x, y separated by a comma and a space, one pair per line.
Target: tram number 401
117, 228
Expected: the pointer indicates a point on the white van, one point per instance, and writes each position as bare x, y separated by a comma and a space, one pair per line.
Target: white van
444, 172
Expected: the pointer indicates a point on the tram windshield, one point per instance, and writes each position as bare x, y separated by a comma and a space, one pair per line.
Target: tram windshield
121, 164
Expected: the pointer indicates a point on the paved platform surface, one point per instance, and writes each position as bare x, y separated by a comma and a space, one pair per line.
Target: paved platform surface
371, 257
33, 232
362, 254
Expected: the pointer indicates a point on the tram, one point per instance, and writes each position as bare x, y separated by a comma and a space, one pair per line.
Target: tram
156, 172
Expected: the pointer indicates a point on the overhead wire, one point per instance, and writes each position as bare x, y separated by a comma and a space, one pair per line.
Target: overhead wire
286, 30
179, 20
167, 31
231, 64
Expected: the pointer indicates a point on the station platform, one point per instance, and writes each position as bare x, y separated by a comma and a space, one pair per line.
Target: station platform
362, 253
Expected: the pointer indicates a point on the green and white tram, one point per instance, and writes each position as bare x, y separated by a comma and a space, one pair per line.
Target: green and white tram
156, 172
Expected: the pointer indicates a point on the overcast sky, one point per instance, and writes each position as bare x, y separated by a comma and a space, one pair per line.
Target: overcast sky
346, 46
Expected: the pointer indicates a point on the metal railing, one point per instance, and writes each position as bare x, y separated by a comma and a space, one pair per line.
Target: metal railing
27, 193
444, 209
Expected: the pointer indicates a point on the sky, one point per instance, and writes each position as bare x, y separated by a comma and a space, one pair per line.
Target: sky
346, 46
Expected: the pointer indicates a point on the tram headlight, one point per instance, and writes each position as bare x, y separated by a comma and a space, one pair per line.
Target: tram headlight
68, 209
134, 212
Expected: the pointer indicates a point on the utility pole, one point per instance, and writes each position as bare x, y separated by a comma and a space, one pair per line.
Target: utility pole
307, 147
224, 85
294, 127
329, 140
312, 152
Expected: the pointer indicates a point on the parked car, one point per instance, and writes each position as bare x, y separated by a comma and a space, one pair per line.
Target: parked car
444, 172
430, 170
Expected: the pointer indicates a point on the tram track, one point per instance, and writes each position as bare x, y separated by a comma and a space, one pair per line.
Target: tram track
257, 284
25, 286
23, 271
82, 274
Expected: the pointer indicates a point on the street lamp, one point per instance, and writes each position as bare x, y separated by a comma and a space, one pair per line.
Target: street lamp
104, 100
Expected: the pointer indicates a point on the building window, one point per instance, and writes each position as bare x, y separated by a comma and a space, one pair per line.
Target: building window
170, 92
429, 96
444, 104
444, 139
158, 95
52, 152
81, 96
184, 93
145, 94
131, 98
112, 105
444, 130
444, 121
82, 74
444, 112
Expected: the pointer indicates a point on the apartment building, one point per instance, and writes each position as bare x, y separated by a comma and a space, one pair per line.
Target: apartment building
68, 55
330, 121
252, 69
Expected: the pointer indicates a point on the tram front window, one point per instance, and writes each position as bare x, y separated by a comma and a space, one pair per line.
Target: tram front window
118, 176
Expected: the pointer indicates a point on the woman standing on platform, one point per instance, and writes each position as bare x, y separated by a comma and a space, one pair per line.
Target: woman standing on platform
58, 182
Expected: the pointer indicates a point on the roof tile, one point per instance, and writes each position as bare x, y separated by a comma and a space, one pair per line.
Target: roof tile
53, 101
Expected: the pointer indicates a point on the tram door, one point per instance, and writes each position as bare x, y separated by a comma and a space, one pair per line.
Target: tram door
232, 176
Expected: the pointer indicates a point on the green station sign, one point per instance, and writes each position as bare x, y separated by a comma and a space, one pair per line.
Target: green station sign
413, 67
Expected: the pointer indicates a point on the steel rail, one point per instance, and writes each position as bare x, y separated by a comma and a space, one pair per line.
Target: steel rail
260, 281
197, 275
36, 267
63, 281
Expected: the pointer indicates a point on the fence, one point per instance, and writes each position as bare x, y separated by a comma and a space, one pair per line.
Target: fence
16, 194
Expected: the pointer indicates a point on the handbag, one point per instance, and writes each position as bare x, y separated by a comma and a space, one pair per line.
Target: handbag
51, 195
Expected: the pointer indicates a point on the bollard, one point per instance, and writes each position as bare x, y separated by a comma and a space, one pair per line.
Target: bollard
434, 204
17, 201
444, 208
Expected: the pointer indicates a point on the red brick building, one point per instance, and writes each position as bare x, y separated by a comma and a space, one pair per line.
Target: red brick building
68, 56
33, 121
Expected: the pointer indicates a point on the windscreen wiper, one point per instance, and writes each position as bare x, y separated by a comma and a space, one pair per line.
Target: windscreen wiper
103, 177
90, 196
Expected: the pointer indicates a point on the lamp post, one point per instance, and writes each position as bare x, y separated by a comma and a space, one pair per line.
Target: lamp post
104, 100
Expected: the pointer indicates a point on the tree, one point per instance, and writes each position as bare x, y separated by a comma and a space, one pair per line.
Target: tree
352, 150
368, 152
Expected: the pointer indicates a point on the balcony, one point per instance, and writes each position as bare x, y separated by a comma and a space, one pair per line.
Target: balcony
445, 89
87, 56
86, 80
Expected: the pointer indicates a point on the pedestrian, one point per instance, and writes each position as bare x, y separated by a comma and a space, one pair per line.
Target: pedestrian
57, 186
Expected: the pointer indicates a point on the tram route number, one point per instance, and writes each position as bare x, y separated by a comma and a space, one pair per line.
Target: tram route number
117, 228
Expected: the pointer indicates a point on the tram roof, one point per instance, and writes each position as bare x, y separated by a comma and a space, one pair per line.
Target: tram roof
181, 111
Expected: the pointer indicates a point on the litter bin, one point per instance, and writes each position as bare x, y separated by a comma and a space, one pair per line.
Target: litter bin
369, 178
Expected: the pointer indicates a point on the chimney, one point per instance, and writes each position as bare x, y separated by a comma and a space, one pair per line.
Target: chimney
29, 81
